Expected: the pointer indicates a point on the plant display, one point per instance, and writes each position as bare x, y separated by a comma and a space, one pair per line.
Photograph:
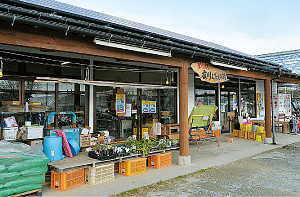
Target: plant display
106, 152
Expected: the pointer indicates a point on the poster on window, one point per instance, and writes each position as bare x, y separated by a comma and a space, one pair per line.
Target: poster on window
152, 107
145, 107
120, 103
128, 110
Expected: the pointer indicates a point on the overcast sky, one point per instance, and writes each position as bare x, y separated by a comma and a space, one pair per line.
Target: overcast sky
250, 26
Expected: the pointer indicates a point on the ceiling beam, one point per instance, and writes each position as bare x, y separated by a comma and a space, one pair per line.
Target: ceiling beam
28, 36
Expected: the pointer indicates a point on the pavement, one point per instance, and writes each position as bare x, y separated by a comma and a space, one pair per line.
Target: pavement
209, 156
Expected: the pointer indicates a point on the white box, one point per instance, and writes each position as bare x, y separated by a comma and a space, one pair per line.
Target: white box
10, 133
33, 132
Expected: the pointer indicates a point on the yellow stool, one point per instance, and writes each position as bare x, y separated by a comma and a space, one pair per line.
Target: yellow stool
258, 138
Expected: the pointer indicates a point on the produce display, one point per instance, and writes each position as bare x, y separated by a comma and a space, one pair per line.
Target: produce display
143, 146
22, 168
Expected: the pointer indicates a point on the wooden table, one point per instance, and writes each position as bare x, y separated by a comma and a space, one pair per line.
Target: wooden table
167, 128
82, 160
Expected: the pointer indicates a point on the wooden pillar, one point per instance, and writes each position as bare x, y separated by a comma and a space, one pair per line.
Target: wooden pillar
87, 106
183, 110
268, 108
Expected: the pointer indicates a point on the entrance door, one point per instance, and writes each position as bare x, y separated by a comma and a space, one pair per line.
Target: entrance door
228, 103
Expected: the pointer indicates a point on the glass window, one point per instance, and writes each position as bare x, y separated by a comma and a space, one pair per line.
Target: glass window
168, 108
205, 97
41, 92
248, 102
9, 90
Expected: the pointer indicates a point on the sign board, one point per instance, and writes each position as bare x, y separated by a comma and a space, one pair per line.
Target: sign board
208, 73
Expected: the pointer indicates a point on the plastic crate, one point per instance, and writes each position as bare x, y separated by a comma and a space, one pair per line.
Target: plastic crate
235, 133
242, 134
67, 180
85, 140
160, 160
99, 174
251, 135
133, 167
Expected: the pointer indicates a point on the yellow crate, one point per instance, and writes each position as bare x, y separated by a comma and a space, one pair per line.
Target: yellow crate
248, 127
246, 135
133, 167
235, 133
251, 135
243, 127
241, 134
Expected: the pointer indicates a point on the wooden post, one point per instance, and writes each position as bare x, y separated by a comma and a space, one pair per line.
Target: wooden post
268, 108
183, 110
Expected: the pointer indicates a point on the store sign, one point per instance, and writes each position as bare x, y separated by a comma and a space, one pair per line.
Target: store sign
208, 73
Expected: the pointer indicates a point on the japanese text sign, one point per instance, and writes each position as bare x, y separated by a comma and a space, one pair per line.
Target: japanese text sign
209, 73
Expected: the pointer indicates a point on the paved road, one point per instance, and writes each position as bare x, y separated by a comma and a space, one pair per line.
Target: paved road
274, 173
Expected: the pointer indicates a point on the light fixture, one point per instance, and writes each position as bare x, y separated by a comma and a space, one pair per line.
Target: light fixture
65, 63
131, 48
1, 67
167, 80
223, 86
228, 65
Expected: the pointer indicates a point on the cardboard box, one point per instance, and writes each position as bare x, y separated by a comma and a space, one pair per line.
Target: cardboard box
35, 142
11, 103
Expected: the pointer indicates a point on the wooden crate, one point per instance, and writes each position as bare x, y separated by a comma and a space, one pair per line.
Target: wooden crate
99, 174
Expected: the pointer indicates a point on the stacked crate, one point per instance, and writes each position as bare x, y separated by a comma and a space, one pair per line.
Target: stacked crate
99, 174
133, 167
160, 160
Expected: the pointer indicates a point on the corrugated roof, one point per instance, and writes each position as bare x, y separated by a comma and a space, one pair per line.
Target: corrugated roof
85, 13
288, 59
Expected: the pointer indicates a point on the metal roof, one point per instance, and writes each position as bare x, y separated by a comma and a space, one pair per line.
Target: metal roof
57, 7
288, 59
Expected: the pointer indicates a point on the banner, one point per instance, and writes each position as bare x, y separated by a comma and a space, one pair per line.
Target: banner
145, 107
120, 103
208, 73
152, 107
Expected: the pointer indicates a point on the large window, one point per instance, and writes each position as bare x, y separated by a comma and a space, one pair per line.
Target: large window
205, 97
9, 90
41, 92
71, 97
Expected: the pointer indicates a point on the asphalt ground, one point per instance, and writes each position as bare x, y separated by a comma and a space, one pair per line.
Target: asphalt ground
272, 173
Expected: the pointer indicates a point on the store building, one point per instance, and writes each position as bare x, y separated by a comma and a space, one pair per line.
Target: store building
70, 58
289, 60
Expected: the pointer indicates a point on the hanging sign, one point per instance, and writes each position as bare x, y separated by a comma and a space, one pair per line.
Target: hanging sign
145, 107
120, 103
128, 110
208, 73
152, 107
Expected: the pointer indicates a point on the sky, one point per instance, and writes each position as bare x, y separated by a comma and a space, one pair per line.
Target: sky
250, 26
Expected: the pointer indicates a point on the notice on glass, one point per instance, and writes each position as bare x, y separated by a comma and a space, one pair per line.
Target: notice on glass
128, 110
152, 107
145, 107
120, 103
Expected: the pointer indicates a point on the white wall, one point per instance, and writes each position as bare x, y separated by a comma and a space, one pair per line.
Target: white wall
191, 91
